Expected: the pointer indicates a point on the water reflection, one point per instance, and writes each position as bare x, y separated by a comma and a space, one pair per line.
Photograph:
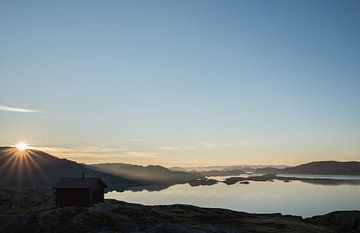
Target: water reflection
296, 197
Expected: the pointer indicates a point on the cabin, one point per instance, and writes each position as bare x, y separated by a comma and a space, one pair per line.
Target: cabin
79, 191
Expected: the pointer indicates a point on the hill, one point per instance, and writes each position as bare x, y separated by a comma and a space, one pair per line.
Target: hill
325, 168
317, 168
34, 168
152, 174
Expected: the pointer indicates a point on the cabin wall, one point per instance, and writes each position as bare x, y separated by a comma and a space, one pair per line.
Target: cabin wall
73, 197
97, 195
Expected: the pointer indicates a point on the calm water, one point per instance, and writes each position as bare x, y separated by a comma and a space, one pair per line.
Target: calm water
296, 198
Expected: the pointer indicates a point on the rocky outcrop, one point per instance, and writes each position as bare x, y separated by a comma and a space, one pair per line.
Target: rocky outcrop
116, 216
30, 200
344, 220
33, 211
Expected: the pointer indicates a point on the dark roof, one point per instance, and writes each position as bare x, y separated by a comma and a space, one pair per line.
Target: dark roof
73, 183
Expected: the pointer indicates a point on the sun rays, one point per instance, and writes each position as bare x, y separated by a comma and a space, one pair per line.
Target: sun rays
22, 164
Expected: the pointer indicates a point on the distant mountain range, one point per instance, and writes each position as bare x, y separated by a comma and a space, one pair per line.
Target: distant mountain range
234, 172
244, 168
312, 168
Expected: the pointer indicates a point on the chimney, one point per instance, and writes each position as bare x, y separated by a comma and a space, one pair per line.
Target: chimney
83, 175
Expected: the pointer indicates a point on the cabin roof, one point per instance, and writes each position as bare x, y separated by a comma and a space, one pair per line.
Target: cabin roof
79, 183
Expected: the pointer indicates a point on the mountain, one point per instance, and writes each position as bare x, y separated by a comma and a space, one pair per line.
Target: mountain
317, 168
325, 168
152, 174
34, 168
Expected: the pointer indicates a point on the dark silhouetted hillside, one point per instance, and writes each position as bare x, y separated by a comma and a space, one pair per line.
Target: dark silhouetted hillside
317, 168
34, 168
325, 168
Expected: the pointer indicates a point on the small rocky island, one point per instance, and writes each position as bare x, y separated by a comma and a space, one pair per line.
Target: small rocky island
34, 211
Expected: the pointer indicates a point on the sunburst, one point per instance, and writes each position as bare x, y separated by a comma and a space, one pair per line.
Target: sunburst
22, 146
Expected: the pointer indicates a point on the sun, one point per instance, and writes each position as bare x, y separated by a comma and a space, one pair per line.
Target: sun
22, 146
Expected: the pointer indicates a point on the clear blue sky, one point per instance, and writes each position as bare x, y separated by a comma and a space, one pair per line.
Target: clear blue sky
182, 82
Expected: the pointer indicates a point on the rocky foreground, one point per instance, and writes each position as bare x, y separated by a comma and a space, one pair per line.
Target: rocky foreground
122, 217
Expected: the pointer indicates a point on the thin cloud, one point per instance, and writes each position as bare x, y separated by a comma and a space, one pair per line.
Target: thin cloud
141, 154
137, 140
171, 148
14, 109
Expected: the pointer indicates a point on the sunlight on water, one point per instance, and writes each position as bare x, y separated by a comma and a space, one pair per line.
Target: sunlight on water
296, 198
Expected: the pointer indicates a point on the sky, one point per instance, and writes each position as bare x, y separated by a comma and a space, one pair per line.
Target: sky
182, 83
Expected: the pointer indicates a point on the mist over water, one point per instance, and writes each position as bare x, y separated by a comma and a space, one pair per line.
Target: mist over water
295, 198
